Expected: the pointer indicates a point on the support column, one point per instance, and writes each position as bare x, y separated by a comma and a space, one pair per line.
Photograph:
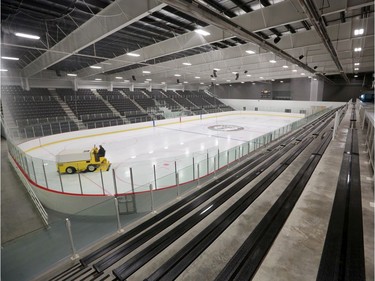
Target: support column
316, 90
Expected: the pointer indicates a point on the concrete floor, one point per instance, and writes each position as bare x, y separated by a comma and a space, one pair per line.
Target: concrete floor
18, 214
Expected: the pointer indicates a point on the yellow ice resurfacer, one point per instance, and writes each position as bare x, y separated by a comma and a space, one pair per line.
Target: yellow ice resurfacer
72, 161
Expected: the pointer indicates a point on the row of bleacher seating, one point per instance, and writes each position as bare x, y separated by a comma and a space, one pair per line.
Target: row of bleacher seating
38, 112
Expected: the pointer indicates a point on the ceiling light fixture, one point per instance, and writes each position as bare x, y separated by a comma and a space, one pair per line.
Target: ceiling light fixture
98, 79
163, 83
356, 68
133, 54
359, 31
177, 75
217, 69
28, 36
9, 58
202, 32
95, 67
201, 83
248, 75
272, 61
118, 77
357, 49
250, 52
355, 76
72, 74
197, 77
148, 79
146, 72
185, 82
303, 74
281, 81
285, 66
186, 63
356, 64
3, 70
276, 40
294, 70
228, 80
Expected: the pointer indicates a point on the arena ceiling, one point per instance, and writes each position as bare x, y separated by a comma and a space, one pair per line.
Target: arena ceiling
246, 40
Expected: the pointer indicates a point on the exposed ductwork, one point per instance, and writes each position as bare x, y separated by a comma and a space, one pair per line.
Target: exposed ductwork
315, 18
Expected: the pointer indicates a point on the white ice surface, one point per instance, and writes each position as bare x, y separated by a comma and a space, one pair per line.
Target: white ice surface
160, 146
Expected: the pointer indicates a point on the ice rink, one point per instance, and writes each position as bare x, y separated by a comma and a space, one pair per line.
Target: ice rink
165, 145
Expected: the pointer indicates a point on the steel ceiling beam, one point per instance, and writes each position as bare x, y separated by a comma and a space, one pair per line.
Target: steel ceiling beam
253, 21
202, 12
111, 19
316, 19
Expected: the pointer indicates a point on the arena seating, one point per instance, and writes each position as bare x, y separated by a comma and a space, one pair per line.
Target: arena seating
37, 113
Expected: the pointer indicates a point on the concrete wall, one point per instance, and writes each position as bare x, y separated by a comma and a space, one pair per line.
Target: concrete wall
341, 92
297, 89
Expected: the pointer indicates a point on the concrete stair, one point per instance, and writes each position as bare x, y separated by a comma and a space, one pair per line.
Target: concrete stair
67, 110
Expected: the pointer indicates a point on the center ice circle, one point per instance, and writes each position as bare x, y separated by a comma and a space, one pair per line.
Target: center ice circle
225, 128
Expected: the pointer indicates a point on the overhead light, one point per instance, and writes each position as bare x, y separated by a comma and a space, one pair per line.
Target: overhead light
118, 77
261, 77
98, 79
163, 83
230, 85
177, 75
146, 72
126, 81
186, 63
357, 63
95, 66
315, 79
248, 75
234, 72
213, 79
272, 80
9, 58
197, 77
355, 76
3, 70
359, 31
202, 32
294, 70
217, 84
185, 82
28, 36
302, 73
281, 81
272, 61
72, 74
250, 52
228, 80
148, 79
217, 69
285, 66
357, 49
201, 83
253, 83
356, 68
309, 77
133, 54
